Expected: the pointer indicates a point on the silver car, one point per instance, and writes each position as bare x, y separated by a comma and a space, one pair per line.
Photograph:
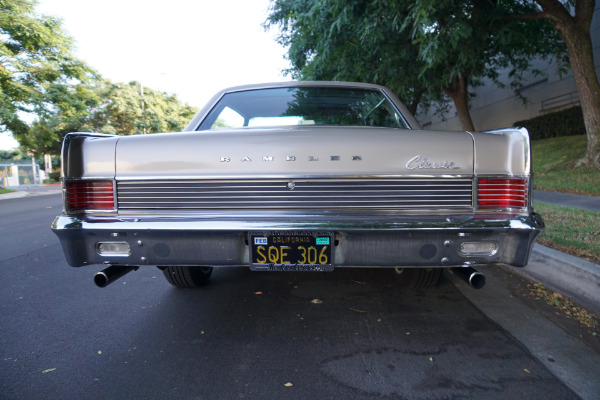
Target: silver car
299, 176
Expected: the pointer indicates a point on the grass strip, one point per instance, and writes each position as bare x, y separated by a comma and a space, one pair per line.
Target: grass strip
554, 166
570, 230
2, 191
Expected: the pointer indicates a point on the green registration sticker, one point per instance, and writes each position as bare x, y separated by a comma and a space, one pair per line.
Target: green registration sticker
322, 241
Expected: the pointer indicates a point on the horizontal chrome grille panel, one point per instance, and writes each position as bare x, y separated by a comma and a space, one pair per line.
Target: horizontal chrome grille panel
307, 193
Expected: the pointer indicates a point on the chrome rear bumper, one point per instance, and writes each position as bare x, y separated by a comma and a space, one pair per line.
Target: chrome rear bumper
377, 241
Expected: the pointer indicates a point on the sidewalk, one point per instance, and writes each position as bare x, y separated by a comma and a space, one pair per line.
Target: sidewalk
590, 203
31, 190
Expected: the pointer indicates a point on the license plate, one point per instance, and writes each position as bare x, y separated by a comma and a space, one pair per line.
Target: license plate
291, 251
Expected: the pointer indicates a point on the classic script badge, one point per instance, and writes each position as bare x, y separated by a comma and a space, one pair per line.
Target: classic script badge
420, 162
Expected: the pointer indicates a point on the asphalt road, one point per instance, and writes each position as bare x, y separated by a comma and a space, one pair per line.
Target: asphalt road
245, 336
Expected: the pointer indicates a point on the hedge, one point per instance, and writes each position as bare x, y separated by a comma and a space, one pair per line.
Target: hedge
567, 122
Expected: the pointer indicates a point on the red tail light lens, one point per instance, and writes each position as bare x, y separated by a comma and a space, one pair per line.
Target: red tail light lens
89, 196
502, 193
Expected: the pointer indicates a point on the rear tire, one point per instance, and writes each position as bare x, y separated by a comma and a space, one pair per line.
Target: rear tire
418, 277
187, 277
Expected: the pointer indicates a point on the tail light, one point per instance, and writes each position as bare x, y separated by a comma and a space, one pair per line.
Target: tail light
502, 193
89, 196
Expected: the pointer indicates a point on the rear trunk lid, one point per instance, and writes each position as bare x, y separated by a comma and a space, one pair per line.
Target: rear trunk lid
295, 152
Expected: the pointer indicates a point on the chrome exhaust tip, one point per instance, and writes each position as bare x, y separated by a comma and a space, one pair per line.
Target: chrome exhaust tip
470, 275
109, 275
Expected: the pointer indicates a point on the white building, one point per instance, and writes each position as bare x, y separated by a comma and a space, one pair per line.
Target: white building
15, 174
494, 107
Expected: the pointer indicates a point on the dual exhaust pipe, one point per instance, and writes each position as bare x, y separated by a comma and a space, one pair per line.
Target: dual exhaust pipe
470, 275
102, 279
109, 275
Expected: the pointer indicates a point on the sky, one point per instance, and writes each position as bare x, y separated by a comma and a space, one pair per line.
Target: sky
190, 48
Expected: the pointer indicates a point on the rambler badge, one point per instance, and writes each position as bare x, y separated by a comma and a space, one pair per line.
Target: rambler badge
420, 162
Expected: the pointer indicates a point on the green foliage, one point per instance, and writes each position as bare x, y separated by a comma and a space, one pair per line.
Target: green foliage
9, 155
39, 76
12, 155
352, 40
37, 68
54, 177
567, 122
129, 109
417, 48
115, 108
479, 37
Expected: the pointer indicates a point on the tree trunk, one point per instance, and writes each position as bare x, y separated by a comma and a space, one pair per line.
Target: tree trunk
579, 45
458, 92
575, 32
415, 102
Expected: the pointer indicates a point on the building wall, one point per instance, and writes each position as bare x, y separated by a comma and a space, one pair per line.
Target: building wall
494, 107
21, 174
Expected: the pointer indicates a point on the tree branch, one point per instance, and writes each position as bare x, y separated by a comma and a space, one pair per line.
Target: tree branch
556, 9
533, 16
584, 10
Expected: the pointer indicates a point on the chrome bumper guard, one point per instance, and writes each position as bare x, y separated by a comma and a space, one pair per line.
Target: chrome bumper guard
377, 241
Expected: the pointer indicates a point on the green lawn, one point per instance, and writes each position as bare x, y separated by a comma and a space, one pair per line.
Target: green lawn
554, 166
571, 230
2, 190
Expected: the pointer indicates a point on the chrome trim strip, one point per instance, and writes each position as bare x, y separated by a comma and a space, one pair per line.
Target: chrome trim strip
307, 194
126, 178
214, 223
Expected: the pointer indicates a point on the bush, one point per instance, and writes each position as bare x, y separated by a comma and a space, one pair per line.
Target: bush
54, 176
567, 122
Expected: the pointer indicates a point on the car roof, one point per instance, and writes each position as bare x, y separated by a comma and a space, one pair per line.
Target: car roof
273, 85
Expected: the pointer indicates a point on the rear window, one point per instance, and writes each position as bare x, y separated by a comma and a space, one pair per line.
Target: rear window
303, 106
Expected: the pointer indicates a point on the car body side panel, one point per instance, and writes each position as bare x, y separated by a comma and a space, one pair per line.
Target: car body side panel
502, 151
89, 156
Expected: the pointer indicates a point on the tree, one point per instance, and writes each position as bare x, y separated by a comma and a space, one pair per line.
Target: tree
352, 40
419, 49
36, 66
105, 107
523, 25
130, 109
72, 105
463, 41
572, 20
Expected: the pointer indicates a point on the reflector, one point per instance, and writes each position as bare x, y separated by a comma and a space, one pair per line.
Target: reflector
113, 249
478, 248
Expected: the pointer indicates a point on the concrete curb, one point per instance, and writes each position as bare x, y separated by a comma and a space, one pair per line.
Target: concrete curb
571, 276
